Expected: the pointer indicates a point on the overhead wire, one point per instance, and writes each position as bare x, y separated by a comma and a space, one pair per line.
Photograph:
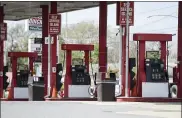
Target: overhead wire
141, 13
155, 21
162, 29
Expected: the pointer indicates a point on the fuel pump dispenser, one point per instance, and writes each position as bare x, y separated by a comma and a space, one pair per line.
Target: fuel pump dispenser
152, 80
19, 86
77, 78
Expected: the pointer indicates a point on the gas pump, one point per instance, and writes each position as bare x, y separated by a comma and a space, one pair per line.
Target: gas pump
152, 80
77, 79
19, 87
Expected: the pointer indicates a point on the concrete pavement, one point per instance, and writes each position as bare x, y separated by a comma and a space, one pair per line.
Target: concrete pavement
66, 109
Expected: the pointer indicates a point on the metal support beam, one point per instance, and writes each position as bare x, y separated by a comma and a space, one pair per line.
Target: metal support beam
141, 73
45, 12
152, 37
117, 12
77, 47
87, 60
127, 91
1, 53
180, 48
53, 49
31, 60
67, 80
14, 74
123, 59
22, 54
24, 14
103, 38
163, 52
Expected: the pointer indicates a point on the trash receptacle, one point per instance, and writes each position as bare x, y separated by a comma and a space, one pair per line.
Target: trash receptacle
106, 88
35, 89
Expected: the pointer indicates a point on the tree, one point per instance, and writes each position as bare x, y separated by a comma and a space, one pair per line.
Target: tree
17, 41
83, 33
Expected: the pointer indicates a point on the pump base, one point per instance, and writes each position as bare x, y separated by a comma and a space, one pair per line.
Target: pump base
4, 99
71, 99
140, 99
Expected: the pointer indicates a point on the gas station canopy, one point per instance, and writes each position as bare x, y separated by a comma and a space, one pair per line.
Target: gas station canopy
15, 11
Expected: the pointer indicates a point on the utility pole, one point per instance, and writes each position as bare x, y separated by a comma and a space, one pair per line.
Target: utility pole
49, 61
127, 48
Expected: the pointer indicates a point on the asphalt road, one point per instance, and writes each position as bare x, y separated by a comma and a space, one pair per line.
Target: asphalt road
63, 109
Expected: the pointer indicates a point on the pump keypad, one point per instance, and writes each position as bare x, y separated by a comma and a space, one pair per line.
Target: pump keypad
154, 70
22, 78
79, 75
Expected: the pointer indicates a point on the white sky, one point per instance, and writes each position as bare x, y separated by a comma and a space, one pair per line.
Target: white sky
157, 24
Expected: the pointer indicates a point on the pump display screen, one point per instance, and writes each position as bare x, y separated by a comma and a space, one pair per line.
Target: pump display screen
77, 61
152, 55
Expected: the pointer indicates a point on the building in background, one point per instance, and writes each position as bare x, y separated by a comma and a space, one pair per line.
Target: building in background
34, 25
32, 47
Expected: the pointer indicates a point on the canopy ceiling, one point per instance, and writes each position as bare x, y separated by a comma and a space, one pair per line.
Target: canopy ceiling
23, 10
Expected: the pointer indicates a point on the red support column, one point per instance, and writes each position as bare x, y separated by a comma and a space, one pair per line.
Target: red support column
67, 80
141, 67
180, 48
129, 80
45, 12
87, 60
1, 53
123, 61
14, 74
103, 38
117, 12
53, 48
31, 64
163, 52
